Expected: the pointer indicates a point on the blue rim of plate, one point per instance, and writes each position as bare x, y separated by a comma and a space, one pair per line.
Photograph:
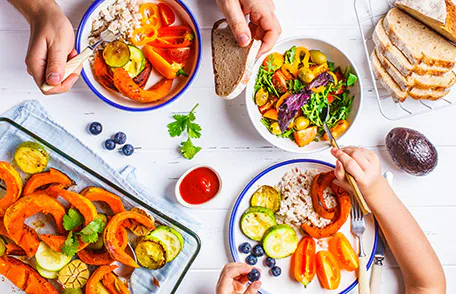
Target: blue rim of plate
82, 24
233, 247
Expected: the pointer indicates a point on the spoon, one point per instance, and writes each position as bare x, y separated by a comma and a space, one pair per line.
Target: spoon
324, 115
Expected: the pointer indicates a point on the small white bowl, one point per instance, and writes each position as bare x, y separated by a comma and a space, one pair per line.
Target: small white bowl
177, 188
333, 54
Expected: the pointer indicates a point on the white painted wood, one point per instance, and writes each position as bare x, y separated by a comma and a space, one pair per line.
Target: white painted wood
230, 143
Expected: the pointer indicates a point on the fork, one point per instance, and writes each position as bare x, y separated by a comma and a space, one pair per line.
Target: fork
358, 227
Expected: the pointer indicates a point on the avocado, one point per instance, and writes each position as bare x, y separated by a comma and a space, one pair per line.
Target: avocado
411, 151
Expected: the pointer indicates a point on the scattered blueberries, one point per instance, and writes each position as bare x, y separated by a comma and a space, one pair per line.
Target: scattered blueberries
258, 251
245, 248
270, 262
252, 260
128, 149
276, 271
120, 138
110, 144
95, 128
254, 275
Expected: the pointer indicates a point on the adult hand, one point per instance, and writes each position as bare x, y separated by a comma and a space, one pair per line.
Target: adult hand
233, 279
261, 14
51, 45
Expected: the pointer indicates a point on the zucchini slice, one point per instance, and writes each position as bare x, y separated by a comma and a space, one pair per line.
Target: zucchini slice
151, 254
49, 259
256, 221
280, 241
74, 275
78, 291
171, 239
116, 54
266, 196
137, 62
45, 273
31, 157
2, 246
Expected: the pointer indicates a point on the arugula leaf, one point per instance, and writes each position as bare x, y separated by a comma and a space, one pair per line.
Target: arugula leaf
70, 247
181, 72
331, 66
287, 134
351, 79
297, 86
72, 219
182, 123
266, 122
270, 64
290, 55
89, 234
189, 150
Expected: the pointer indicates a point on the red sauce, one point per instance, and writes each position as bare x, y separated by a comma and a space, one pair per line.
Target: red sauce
199, 186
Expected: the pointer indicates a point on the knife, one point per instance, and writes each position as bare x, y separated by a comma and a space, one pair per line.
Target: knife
377, 268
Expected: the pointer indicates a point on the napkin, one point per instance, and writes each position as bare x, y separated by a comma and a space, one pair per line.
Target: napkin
32, 116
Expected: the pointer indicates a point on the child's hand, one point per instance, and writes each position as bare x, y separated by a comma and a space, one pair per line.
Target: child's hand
362, 164
233, 279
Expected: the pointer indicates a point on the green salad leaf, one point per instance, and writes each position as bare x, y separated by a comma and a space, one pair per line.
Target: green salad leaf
72, 219
351, 79
89, 234
290, 55
188, 149
71, 244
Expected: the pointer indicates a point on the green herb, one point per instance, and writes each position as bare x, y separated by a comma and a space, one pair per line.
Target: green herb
351, 79
297, 86
266, 122
287, 134
188, 149
71, 244
72, 219
270, 64
89, 234
290, 55
186, 123
181, 72
264, 79
331, 66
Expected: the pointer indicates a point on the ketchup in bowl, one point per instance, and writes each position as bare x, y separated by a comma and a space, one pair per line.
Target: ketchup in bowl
199, 186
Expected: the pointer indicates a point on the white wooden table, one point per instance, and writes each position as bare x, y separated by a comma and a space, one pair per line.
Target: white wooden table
229, 141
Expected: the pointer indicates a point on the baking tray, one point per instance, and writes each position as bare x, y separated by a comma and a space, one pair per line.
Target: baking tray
14, 134
368, 13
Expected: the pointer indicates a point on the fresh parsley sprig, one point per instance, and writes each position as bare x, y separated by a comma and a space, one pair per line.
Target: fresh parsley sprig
186, 123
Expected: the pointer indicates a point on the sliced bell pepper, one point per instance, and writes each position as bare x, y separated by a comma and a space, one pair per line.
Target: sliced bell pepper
150, 14
303, 261
166, 68
328, 271
294, 67
144, 34
174, 37
342, 250
166, 14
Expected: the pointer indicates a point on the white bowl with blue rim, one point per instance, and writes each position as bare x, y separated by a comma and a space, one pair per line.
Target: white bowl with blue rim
180, 85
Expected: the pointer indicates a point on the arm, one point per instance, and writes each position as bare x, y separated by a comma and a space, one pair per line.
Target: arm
51, 43
420, 266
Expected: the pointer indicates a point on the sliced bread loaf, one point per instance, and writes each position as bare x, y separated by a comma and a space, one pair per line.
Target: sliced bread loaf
438, 14
417, 41
422, 94
232, 64
437, 83
383, 46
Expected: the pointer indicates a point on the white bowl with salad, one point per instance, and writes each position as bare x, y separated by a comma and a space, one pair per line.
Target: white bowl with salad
292, 83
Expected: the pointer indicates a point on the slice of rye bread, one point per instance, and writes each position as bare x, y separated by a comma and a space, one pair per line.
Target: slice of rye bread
418, 42
232, 64
396, 92
384, 47
437, 83
440, 15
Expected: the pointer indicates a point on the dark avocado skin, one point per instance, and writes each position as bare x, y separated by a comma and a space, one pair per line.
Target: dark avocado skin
411, 151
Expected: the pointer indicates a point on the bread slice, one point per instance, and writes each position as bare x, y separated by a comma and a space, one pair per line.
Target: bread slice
232, 64
437, 83
440, 15
383, 46
417, 41
421, 94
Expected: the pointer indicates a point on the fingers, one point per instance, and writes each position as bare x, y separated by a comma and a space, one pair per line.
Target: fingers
36, 60
350, 165
360, 155
65, 86
340, 171
56, 60
253, 288
234, 270
236, 19
270, 24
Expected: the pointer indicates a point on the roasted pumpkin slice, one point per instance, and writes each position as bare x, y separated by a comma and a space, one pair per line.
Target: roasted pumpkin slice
95, 257
110, 235
25, 207
81, 203
25, 277
100, 194
46, 178
136, 228
55, 242
97, 276
13, 184
320, 183
114, 284
13, 249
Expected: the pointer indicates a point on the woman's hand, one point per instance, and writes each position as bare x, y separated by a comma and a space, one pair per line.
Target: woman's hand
261, 14
233, 279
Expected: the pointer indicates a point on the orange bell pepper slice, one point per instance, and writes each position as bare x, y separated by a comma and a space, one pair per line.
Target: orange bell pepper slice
161, 63
328, 271
344, 253
174, 37
144, 34
303, 261
150, 15
302, 56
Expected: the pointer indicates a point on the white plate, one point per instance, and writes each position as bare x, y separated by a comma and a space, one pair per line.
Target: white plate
285, 283
333, 54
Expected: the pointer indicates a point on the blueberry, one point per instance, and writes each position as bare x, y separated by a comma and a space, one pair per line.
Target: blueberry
258, 251
95, 128
252, 260
120, 138
276, 271
245, 248
254, 275
110, 144
128, 149
270, 262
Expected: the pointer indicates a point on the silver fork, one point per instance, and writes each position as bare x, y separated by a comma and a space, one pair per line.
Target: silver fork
358, 227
